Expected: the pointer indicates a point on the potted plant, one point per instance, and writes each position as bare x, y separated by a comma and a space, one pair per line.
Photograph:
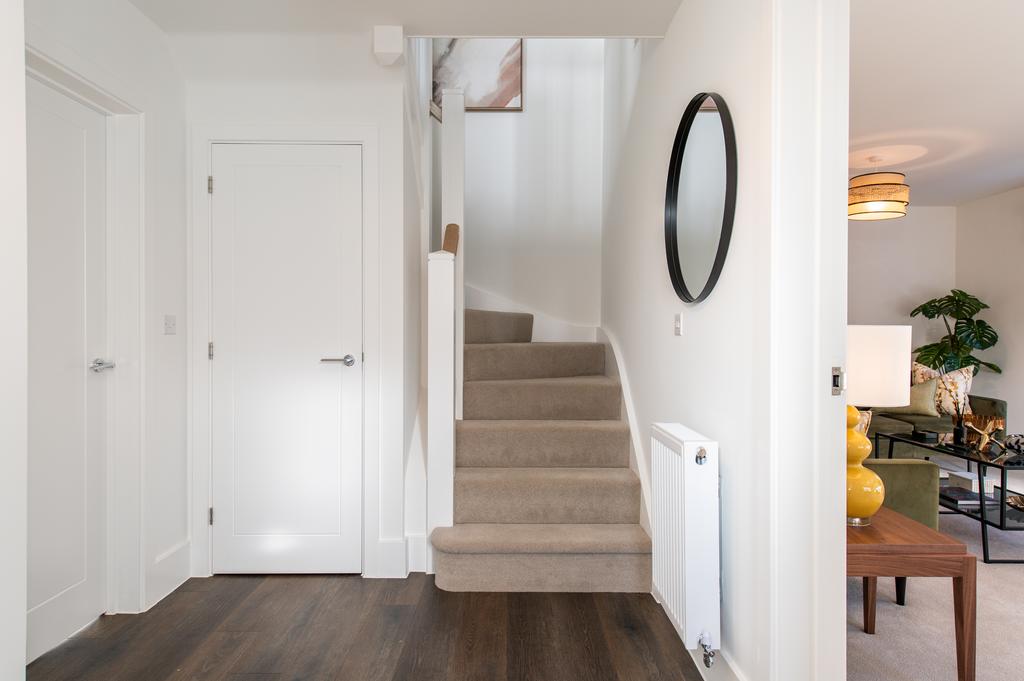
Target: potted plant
956, 349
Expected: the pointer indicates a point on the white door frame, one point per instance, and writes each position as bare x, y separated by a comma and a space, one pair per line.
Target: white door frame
125, 230
198, 314
808, 258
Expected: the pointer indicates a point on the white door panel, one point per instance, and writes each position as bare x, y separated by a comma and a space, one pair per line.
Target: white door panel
286, 292
67, 403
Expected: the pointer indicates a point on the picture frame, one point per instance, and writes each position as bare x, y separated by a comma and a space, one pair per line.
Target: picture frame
488, 70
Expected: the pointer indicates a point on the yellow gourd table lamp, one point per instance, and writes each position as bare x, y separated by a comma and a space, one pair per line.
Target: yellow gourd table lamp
877, 375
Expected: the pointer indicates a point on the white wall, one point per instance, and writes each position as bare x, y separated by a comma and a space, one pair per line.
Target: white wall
272, 79
13, 342
623, 59
533, 186
703, 379
111, 44
418, 157
990, 251
744, 371
895, 265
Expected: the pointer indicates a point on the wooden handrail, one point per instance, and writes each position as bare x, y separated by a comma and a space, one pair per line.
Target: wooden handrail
451, 239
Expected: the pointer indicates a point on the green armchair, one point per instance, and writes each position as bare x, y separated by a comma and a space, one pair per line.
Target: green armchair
911, 488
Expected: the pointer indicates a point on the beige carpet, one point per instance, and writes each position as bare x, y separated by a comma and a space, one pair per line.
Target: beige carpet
545, 499
916, 642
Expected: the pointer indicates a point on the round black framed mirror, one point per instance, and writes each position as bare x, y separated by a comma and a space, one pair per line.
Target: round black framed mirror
700, 198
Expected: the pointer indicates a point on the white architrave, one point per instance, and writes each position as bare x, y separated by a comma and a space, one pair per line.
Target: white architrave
126, 565
381, 556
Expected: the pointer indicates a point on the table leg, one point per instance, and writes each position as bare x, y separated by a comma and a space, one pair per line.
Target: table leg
870, 596
892, 443
1002, 500
965, 610
901, 591
984, 515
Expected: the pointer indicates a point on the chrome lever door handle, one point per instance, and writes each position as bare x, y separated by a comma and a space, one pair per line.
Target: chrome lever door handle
100, 365
347, 360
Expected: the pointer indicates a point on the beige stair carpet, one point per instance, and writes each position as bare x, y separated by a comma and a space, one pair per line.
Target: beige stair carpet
497, 361
544, 497
555, 444
574, 398
482, 326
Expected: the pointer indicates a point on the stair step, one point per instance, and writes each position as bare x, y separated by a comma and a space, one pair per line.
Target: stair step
563, 558
491, 361
587, 398
541, 538
524, 444
486, 326
546, 495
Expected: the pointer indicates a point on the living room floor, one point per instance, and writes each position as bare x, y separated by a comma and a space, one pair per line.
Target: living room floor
344, 627
916, 642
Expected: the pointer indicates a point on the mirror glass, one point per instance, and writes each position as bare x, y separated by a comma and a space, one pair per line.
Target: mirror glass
699, 205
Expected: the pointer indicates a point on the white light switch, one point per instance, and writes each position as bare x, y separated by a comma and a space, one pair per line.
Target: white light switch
170, 325
679, 324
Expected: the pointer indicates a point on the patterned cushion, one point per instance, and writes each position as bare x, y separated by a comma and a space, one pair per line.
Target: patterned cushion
952, 388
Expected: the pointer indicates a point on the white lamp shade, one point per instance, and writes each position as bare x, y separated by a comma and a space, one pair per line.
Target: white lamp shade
878, 366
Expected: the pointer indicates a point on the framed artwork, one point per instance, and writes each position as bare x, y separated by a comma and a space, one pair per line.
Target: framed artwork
488, 70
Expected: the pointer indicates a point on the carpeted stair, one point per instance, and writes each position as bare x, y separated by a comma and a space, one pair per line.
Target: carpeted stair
544, 496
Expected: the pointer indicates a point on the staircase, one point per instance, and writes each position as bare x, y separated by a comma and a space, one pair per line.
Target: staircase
544, 496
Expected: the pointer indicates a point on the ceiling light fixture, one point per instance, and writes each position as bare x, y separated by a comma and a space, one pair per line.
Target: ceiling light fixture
878, 196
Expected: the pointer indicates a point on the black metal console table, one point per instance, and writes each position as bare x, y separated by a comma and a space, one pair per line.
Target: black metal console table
997, 514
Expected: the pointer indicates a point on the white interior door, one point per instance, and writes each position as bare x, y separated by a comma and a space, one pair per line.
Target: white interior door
286, 295
67, 403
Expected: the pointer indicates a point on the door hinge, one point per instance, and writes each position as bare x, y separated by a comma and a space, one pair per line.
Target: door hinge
209, 184
211, 515
209, 350
838, 380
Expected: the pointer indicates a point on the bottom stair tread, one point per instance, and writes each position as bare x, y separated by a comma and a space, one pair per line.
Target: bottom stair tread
566, 558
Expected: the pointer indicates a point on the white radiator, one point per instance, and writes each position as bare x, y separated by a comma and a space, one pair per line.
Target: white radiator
685, 527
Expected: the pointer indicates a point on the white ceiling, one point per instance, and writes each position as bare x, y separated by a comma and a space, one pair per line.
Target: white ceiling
613, 18
937, 91
936, 86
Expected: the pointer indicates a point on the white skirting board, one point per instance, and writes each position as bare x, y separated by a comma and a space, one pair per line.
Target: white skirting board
722, 670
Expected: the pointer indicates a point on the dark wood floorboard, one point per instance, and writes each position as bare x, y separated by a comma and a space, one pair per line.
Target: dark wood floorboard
481, 642
345, 628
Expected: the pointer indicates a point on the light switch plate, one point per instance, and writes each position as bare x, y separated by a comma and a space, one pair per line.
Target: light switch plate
679, 324
170, 325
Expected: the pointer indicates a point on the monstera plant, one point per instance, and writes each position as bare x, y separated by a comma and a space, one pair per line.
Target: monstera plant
956, 349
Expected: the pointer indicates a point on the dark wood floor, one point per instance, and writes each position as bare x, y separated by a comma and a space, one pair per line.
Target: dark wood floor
338, 627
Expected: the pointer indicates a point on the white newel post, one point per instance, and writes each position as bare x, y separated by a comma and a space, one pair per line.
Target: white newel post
453, 202
440, 393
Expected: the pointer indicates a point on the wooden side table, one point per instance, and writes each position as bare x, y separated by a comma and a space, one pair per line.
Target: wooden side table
893, 545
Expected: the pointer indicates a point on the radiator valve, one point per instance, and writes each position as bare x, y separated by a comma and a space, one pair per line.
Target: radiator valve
705, 645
